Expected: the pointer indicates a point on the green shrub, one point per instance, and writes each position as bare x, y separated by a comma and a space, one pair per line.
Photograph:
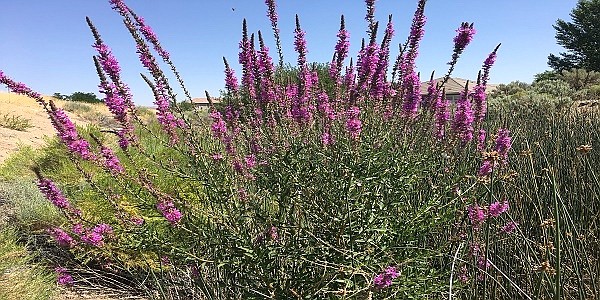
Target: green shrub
15, 122
77, 107
31, 212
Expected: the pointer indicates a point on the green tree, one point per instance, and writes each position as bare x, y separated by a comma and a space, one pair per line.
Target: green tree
580, 37
84, 97
59, 96
546, 75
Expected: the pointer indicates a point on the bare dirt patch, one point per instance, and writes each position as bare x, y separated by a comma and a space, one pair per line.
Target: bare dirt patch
26, 108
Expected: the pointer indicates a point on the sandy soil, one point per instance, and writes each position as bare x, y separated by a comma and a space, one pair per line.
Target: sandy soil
25, 107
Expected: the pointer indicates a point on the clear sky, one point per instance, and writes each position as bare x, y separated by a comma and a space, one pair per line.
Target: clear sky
47, 44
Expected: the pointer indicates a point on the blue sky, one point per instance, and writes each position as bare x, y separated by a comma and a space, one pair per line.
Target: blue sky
47, 44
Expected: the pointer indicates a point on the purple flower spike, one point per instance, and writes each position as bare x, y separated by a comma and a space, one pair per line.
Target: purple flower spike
463, 37
231, 83
52, 193
503, 144
300, 43
481, 139
477, 215
509, 227
353, 123
111, 162
463, 119
272, 14
341, 52
150, 36
20, 88
441, 115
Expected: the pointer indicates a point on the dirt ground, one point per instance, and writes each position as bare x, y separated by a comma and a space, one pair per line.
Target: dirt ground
25, 107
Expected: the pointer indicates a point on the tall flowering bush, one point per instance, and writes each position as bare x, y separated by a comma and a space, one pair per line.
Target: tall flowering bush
318, 181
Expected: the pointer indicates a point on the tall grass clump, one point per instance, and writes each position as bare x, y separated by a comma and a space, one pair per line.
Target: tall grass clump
314, 181
555, 189
20, 277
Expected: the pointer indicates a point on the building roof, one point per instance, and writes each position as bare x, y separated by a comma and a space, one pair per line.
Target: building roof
204, 101
455, 85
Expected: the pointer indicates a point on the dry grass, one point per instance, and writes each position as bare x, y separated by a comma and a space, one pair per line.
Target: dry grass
27, 108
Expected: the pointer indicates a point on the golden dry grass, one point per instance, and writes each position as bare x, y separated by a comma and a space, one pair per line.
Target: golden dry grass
27, 108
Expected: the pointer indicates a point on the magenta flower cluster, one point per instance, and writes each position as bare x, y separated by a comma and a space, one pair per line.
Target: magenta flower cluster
19, 87
52, 193
270, 233
61, 237
111, 162
384, 279
353, 123
169, 211
478, 214
63, 277
95, 236
464, 36
502, 145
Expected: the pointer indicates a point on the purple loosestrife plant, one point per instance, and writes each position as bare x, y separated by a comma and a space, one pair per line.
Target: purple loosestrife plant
477, 215
462, 124
272, 14
341, 53
370, 17
479, 95
300, 44
20, 88
367, 63
411, 84
384, 279
353, 123
111, 162
96, 236
52, 193
118, 97
463, 37
276, 138
508, 227
380, 86
65, 129
63, 277
169, 211
245, 58
502, 145
165, 117
61, 237
266, 71
481, 139
231, 82
68, 133
497, 208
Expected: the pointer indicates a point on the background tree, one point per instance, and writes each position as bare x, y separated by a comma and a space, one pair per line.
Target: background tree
84, 97
546, 75
581, 38
59, 96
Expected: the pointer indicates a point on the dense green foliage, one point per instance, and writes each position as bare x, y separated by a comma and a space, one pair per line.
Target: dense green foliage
78, 97
580, 37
